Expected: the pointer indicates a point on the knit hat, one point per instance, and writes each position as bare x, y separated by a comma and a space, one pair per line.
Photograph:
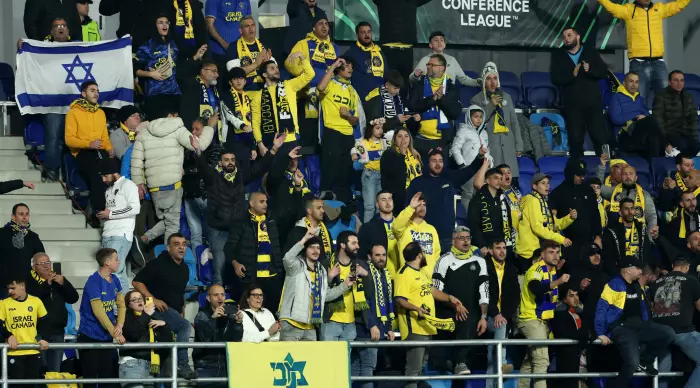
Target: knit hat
320, 15
126, 111
108, 166
490, 68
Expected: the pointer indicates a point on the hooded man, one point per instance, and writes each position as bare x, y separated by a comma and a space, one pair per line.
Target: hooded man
590, 279
502, 124
130, 124
574, 194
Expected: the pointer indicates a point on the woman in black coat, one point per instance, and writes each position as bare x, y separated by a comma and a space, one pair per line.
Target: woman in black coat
398, 166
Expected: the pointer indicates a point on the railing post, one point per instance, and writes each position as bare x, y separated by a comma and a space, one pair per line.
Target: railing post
173, 364
655, 380
499, 364
4, 366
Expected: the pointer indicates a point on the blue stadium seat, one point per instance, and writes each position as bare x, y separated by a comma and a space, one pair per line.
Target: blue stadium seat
539, 90
554, 166
644, 177
661, 168
511, 85
592, 163
606, 91
75, 183
543, 120
466, 93
191, 266
205, 265
526, 166
34, 136
311, 166
71, 325
7, 82
692, 85
525, 183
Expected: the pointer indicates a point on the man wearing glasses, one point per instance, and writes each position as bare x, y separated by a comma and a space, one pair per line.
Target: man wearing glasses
40, 15
55, 291
200, 95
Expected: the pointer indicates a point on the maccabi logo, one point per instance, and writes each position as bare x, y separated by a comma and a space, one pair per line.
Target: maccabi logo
291, 373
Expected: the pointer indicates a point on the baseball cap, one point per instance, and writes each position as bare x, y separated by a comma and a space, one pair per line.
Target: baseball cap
629, 261
435, 151
594, 249
539, 176
617, 161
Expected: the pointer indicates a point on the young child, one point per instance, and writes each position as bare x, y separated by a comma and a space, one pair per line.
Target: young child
603, 204
471, 136
368, 151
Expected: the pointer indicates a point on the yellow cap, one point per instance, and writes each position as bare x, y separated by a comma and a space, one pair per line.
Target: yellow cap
617, 161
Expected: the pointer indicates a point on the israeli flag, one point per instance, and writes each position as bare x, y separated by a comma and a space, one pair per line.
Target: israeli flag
49, 74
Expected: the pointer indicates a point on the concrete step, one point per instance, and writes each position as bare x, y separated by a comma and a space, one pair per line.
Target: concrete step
68, 234
77, 251
15, 153
12, 143
13, 163
42, 205
74, 269
41, 221
41, 189
25, 175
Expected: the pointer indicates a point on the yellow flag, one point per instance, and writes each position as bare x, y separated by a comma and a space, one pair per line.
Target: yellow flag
289, 364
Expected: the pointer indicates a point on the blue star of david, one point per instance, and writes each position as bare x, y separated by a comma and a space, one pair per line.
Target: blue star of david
292, 373
78, 63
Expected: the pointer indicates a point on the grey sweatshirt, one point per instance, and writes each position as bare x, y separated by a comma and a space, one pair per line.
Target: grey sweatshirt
454, 71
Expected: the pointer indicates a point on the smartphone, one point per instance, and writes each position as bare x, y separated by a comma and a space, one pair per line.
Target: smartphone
306, 150
230, 309
149, 300
606, 150
57, 268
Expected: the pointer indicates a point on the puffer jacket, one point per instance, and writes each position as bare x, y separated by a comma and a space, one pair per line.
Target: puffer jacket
82, 127
533, 226
645, 35
158, 152
626, 107
534, 140
612, 303
465, 147
676, 112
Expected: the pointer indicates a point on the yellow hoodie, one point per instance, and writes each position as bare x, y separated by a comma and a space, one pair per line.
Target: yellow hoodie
535, 225
424, 234
85, 123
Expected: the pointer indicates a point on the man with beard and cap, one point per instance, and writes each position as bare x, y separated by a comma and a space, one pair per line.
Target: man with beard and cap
623, 317
130, 124
19, 244
370, 65
489, 214
439, 187
577, 69
226, 203
437, 43
625, 236
573, 194
676, 183
603, 204
410, 226
374, 323
339, 322
461, 284
682, 226
378, 231
645, 210
200, 94
123, 205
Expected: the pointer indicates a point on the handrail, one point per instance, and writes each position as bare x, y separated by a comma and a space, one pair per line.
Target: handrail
173, 346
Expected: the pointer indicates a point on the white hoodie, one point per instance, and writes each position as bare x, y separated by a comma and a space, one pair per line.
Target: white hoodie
469, 139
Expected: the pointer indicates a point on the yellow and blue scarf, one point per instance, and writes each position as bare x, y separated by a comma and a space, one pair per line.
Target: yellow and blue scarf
229, 176
358, 293
383, 291
499, 123
316, 287
376, 62
638, 202
434, 113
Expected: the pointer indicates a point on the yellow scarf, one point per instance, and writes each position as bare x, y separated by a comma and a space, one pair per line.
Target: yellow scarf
358, 294
376, 62
184, 20
229, 176
413, 167
155, 357
325, 237
638, 202
680, 182
437, 82
546, 213
129, 132
247, 57
602, 211
36, 277
86, 105
631, 242
324, 49
264, 246
682, 231
445, 324
241, 109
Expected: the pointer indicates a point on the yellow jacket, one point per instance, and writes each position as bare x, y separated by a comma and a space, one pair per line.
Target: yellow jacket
645, 35
291, 87
532, 227
82, 127
424, 234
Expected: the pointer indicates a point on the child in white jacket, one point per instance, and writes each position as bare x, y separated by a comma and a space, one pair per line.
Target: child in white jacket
471, 136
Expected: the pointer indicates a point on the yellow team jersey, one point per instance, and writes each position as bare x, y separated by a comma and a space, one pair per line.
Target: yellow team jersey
335, 96
425, 235
392, 256
530, 306
348, 314
500, 271
374, 152
302, 325
414, 286
21, 319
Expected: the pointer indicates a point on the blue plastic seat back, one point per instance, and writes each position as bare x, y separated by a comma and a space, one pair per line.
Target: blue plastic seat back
511, 85
466, 93
74, 181
661, 168
189, 261
546, 121
34, 135
539, 90
71, 325
311, 166
205, 265
7, 82
526, 165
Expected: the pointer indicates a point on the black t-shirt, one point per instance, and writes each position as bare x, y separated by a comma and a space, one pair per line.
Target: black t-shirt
166, 280
632, 313
674, 301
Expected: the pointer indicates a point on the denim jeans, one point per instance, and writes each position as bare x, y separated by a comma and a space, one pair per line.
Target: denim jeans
363, 360
627, 338
217, 242
371, 185
122, 246
181, 327
52, 358
688, 343
54, 134
498, 333
135, 369
194, 211
653, 76
334, 331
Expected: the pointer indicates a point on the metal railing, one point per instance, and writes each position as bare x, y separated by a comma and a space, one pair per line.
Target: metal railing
174, 346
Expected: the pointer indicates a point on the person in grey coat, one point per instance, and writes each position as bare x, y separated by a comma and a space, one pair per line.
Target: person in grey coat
129, 117
502, 126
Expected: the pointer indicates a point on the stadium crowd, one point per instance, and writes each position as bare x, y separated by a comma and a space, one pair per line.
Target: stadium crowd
364, 245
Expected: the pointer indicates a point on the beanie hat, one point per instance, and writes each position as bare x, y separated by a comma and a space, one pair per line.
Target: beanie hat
125, 112
490, 68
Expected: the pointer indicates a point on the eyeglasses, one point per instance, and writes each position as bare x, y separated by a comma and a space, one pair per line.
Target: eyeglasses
59, 26
43, 263
433, 65
136, 300
256, 296
463, 238
212, 70
163, 22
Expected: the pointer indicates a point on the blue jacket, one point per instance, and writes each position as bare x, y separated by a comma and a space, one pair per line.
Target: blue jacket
439, 193
362, 79
611, 304
126, 168
149, 56
625, 107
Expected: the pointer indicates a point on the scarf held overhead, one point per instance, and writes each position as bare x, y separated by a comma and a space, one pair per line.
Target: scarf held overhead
184, 19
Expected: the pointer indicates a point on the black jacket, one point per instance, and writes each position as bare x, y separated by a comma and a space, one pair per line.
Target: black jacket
193, 185
487, 222
10, 186
397, 20
371, 233
300, 23
285, 202
669, 198
54, 296
510, 290
614, 246
136, 17
392, 166
676, 112
374, 107
136, 330
589, 296
15, 259
208, 329
191, 90
582, 89
582, 198
226, 200
39, 14
242, 246
672, 229
449, 104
